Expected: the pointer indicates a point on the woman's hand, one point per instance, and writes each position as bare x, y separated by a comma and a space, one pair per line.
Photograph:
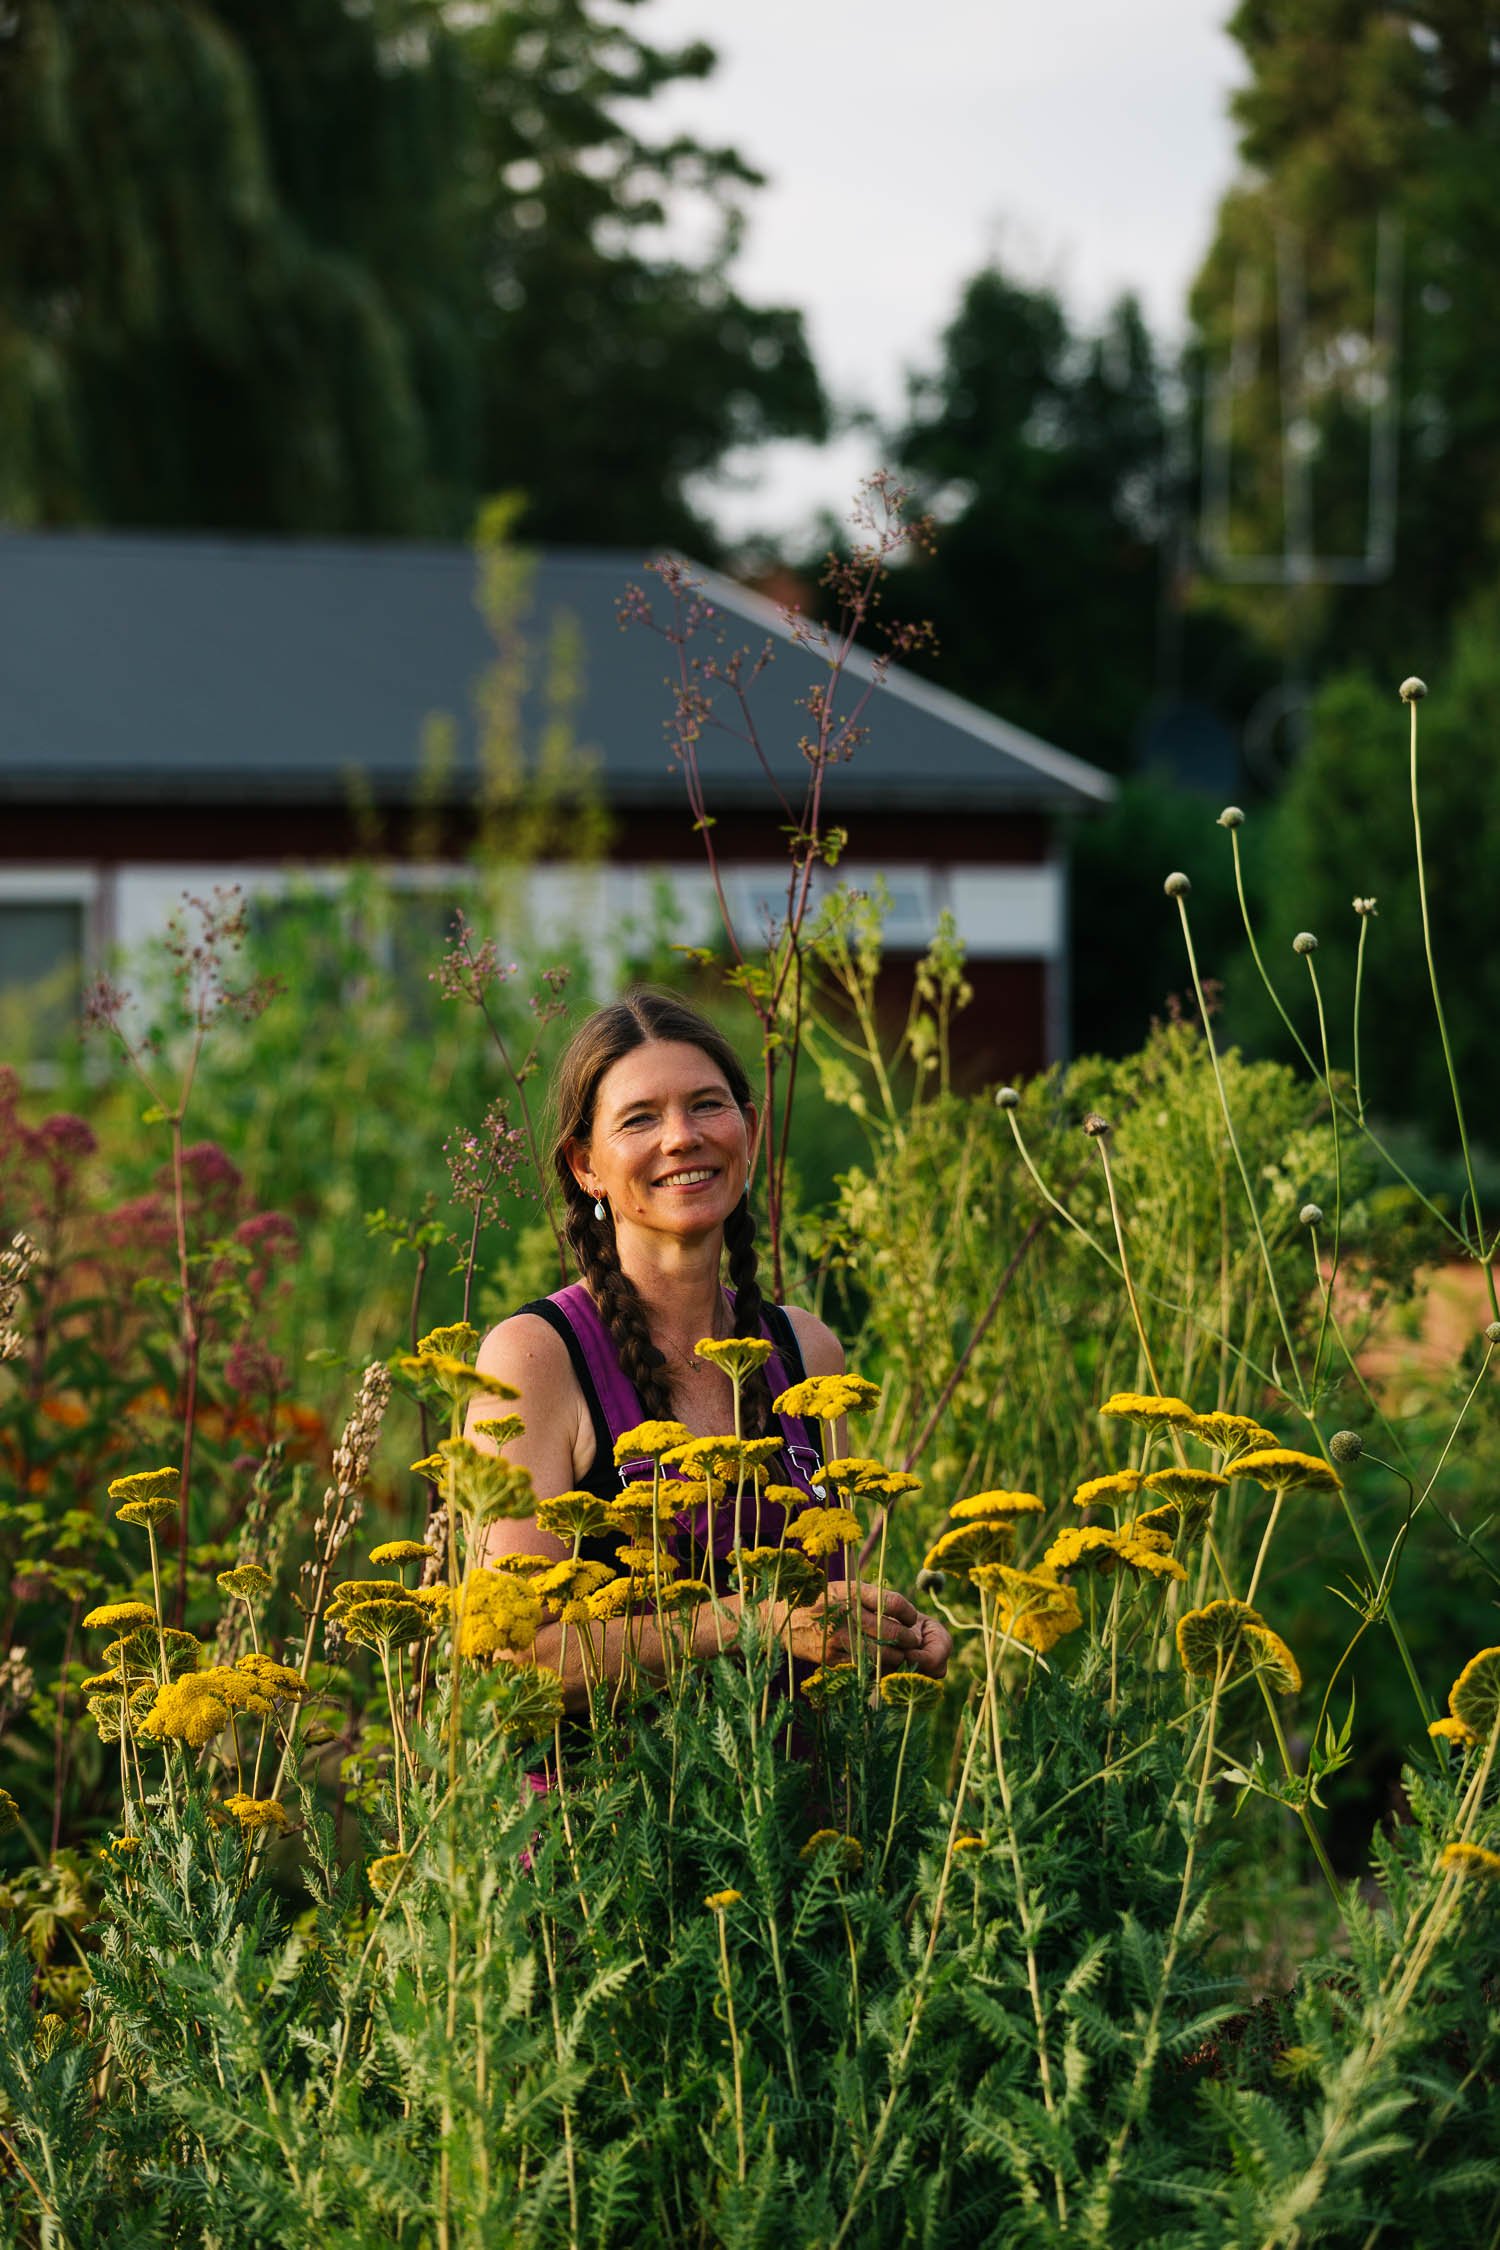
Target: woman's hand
897, 1635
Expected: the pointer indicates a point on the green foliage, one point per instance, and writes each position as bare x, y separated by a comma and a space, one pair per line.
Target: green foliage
344, 270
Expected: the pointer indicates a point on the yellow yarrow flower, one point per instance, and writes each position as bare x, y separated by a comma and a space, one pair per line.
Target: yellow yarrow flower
1469, 1859
571, 1581
500, 1429
1281, 1469
360, 1590
247, 1582
622, 1597
401, 1551
985, 1506
827, 1398
684, 1593
822, 1531
987, 1539
1030, 1605
381, 1873
648, 1441
254, 1813
112, 1616
727, 1457
1446, 1730
829, 1684
197, 1707
643, 1561
1098, 1492
734, 1356
1188, 1489
1152, 1412
282, 1682
385, 1623
453, 1377
1230, 1434
573, 1515
497, 1615
910, 1691
1229, 1636
148, 1497
459, 1341
719, 1902
845, 1853
1474, 1698
852, 1470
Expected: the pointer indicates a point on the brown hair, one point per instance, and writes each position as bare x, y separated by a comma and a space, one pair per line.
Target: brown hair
598, 1044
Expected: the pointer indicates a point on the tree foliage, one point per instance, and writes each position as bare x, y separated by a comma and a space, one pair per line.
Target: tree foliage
1357, 112
330, 269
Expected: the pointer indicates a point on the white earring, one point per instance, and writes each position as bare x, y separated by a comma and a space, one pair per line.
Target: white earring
598, 1207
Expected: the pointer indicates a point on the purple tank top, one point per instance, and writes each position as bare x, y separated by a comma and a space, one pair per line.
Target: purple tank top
621, 1408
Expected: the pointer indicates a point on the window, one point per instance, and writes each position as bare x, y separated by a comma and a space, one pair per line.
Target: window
41, 970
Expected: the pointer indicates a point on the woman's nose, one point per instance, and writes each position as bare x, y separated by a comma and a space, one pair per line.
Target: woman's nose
680, 1129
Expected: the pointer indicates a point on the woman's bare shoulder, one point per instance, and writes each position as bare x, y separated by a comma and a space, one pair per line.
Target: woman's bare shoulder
527, 1351
822, 1353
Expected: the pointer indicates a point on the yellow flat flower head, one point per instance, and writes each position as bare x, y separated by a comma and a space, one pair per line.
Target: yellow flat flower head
968, 1844
1227, 1637
151, 1486
146, 1514
1149, 1411
719, 1902
684, 1593
846, 1854
121, 1616
254, 1813
460, 1341
436, 1600
485, 1486
728, 1457
1150, 1558
497, 1615
1469, 1859
384, 1623
644, 1561
1108, 1491
1278, 1468
1032, 1606
890, 1484
573, 1515
446, 1373
781, 1571
910, 1691
500, 1429
1188, 1488
1441, 1730
1230, 1434
822, 1531
734, 1356
988, 1505
827, 1398
622, 1597
381, 1873
571, 1581
1474, 1698
247, 1582
830, 1683
281, 1682
987, 1539
852, 1471
648, 1441
362, 1590
400, 1551
1087, 1544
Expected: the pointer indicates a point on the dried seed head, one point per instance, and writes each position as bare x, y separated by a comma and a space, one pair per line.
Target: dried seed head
1492, 1332
1304, 942
1008, 1098
1413, 690
1364, 906
1346, 1446
1095, 1126
1231, 817
932, 1581
1311, 1215
1177, 886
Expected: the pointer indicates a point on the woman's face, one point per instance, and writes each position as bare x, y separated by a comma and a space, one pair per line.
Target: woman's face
670, 1147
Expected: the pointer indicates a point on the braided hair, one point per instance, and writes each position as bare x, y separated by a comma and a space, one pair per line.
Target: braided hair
598, 1044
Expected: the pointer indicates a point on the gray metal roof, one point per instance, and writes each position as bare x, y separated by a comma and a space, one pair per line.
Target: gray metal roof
153, 668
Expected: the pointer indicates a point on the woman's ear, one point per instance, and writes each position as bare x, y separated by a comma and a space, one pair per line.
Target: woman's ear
751, 1116
577, 1154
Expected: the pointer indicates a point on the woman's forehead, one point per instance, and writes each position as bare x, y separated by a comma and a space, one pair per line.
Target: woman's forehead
658, 1070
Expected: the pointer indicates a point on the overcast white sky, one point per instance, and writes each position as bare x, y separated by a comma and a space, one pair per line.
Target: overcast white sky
1082, 142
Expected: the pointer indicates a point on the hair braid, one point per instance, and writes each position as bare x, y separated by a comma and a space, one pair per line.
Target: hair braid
749, 1305
619, 1303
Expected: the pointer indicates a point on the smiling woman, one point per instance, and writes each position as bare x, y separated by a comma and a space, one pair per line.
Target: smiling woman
655, 1142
